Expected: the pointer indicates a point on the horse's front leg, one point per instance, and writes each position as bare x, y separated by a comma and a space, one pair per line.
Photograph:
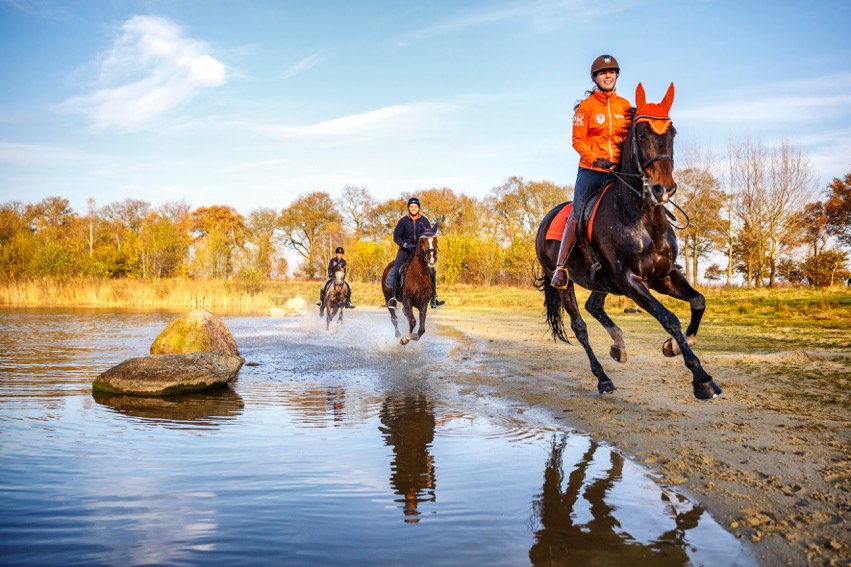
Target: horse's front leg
596, 306
677, 286
421, 330
704, 386
580, 330
340, 318
408, 310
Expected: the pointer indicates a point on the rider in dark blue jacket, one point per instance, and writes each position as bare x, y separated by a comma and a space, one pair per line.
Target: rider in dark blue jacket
336, 263
407, 233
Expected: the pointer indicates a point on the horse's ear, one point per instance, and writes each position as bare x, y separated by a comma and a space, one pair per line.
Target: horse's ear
640, 97
434, 227
668, 100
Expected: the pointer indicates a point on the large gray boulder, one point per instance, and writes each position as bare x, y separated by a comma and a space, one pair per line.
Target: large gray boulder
197, 331
169, 374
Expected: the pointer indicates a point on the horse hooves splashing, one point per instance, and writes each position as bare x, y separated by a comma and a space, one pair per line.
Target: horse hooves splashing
606, 387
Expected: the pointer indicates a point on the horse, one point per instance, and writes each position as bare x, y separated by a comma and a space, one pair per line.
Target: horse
417, 287
629, 250
335, 299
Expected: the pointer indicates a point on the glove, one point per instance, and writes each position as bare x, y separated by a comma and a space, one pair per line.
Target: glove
603, 163
407, 246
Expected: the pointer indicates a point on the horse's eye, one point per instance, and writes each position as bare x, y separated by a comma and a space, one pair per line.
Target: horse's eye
642, 135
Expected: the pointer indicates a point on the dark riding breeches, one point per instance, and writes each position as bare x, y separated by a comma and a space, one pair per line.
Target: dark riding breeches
588, 182
401, 257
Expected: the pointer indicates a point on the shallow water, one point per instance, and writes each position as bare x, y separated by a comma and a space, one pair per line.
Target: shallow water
331, 448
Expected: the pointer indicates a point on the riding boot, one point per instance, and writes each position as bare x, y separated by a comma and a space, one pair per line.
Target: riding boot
435, 301
391, 303
321, 301
567, 241
349, 300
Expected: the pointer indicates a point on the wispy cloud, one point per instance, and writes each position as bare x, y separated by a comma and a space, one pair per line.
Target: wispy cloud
542, 15
303, 66
150, 70
397, 120
41, 155
46, 9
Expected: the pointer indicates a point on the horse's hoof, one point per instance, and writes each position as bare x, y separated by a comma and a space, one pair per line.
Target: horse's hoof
606, 387
706, 390
668, 349
618, 354
404, 340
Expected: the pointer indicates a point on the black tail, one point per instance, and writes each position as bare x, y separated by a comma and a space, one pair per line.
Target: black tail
553, 305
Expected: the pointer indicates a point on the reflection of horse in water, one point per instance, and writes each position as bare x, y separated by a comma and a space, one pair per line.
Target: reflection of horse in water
417, 286
573, 532
630, 251
335, 299
408, 426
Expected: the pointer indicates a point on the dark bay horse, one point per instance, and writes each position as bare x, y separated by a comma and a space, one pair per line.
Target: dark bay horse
417, 287
632, 249
335, 299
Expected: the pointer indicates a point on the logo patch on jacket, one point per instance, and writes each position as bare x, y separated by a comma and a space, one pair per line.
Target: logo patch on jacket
578, 120
601, 118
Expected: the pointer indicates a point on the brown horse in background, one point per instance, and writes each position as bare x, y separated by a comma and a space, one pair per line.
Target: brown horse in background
416, 288
631, 250
335, 299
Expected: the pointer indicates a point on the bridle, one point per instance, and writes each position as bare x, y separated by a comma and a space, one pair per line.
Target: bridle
423, 253
642, 166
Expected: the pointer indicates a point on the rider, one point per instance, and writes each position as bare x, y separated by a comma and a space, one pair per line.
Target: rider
336, 263
600, 125
407, 232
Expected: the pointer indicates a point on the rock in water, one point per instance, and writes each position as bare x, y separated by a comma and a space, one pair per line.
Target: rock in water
168, 374
197, 331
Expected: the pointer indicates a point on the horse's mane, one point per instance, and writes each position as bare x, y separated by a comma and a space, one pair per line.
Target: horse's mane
627, 164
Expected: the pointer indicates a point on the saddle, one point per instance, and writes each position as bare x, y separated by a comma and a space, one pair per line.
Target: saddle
586, 221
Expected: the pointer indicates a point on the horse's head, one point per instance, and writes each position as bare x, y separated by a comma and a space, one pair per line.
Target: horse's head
339, 277
427, 248
650, 145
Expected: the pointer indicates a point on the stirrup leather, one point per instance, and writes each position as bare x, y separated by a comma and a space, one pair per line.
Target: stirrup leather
566, 279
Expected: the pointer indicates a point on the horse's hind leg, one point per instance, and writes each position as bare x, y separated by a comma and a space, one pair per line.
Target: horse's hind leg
412, 322
596, 306
568, 299
676, 286
704, 387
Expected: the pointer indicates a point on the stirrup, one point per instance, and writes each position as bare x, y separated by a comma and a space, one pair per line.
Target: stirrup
595, 268
566, 279
435, 303
391, 303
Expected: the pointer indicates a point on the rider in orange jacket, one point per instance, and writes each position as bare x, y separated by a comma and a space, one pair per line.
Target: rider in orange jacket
600, 124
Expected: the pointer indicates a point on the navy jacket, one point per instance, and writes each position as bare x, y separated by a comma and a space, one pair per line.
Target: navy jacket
408, 231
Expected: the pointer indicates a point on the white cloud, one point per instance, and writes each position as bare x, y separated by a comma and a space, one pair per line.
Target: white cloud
150, 70
40, 155
303, 66
397, 121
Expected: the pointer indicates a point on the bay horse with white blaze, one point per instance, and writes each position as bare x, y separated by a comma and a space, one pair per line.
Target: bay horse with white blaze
417, 287
629, 250
335, 299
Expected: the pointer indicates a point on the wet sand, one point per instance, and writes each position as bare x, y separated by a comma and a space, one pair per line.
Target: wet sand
770, 458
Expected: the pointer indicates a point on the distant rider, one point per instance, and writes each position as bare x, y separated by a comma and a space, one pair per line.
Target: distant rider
338, 263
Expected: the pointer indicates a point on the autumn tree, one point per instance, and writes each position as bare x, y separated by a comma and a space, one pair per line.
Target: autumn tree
357, 209
219, 232
838, 209
306, 224
261, 240
701, 200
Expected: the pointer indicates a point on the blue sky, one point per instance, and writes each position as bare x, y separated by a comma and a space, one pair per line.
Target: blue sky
253, 103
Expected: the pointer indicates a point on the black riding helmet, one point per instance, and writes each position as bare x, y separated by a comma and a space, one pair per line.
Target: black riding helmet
339, 250
414, 200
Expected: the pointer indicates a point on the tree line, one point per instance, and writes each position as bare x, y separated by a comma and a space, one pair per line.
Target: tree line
757, 208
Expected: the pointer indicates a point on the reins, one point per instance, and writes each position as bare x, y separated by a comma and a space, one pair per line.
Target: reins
643, 176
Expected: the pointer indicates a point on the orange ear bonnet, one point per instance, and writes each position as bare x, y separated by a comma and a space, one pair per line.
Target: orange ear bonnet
655, 114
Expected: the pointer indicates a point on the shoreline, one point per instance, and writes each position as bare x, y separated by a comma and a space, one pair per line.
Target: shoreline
773, 469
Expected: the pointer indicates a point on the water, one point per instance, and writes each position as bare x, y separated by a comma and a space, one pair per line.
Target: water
337, 448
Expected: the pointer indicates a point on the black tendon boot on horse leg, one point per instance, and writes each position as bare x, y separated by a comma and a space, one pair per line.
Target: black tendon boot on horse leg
567, 241
435, 302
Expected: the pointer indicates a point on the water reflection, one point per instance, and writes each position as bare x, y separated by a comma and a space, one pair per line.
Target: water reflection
203, 409
580, 521
407, 422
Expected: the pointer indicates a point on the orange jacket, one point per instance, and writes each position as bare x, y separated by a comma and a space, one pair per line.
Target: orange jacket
599, 127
